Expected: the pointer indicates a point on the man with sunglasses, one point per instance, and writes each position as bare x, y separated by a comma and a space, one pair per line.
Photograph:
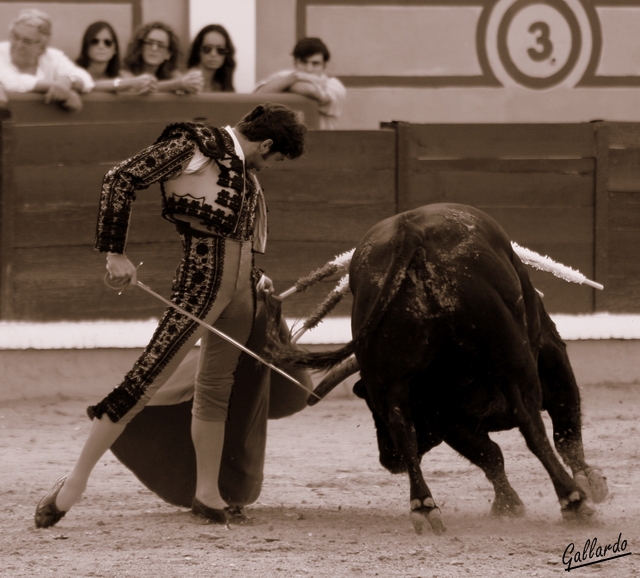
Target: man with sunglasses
28, 64
310, 57
211, 194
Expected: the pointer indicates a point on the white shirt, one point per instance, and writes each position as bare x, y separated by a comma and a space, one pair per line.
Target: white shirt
331, 89
53, 64
199, 160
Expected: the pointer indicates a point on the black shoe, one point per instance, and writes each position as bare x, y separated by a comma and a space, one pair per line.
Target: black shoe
47, 513
206, 515
237, 516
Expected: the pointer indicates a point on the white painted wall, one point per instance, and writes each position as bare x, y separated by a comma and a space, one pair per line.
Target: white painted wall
239, 18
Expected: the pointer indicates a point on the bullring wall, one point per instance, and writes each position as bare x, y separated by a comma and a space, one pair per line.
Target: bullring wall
569, 190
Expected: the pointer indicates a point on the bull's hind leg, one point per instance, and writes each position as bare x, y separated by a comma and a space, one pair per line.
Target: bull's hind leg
480, 450
573, 500
519, 382
403, 434
561, 399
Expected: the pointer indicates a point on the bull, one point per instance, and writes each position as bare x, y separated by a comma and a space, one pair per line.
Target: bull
453, 342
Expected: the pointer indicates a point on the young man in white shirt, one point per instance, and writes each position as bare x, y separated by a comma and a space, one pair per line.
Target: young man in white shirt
310, 79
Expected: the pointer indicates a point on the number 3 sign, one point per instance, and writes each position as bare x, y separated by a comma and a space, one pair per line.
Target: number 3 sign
538, 43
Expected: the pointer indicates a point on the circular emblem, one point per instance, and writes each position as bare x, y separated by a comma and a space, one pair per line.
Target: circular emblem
538, 44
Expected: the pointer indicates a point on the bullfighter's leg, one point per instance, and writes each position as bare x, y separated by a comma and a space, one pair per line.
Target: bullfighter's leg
480, 450
561, 399
403, 434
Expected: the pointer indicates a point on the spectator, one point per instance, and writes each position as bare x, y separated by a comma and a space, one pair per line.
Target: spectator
155, 49
309, 79
100, 56
28, 64
213, 53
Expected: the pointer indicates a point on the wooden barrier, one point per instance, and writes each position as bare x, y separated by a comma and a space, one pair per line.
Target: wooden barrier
53, 163
536, 180
621, 218
570, 191
52, 168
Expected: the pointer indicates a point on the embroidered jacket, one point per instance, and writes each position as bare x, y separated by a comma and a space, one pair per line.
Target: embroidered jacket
230, 210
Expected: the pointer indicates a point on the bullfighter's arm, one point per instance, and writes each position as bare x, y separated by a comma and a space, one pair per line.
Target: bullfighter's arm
158, 162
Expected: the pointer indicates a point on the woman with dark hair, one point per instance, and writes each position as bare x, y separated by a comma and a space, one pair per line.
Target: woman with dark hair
155, 49
213, 53
100, 56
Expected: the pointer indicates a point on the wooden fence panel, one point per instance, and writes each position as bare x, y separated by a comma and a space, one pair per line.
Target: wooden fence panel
66, 283
322, 204
70, 224
52, 168
623, 217
216, 109
83, 143
502, 141
49, 184
537, 181
568, 191
503, 183
319, 206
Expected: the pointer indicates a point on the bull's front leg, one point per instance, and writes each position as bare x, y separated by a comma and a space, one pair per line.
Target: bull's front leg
423, 506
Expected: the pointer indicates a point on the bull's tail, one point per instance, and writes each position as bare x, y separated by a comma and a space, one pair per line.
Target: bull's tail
282, 352
405, 241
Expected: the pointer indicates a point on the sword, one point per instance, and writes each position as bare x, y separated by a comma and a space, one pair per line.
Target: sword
214, 330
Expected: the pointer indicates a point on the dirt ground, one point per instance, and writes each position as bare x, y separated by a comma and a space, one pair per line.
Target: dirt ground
327, 507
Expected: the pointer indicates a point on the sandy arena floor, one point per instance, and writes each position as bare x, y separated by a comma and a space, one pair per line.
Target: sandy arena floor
327, 507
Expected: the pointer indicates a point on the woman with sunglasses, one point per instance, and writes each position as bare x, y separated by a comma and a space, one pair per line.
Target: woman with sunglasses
213, 54
100, 56
155, 50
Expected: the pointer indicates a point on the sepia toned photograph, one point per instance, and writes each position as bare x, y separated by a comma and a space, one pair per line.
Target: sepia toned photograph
319, 288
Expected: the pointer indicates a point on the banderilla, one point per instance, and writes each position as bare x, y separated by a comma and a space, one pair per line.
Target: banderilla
216, 331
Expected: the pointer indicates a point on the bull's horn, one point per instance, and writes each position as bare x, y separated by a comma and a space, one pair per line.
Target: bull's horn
335, 376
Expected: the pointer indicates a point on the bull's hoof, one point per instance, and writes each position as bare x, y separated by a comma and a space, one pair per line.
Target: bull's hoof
507, 503
593, 483
576, 508
509, 510
429, 513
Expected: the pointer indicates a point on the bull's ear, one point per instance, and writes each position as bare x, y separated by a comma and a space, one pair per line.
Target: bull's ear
360, 390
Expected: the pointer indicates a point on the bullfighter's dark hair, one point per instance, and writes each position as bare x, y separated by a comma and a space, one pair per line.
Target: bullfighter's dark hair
307, 47
113, 66
278, 123
224, 74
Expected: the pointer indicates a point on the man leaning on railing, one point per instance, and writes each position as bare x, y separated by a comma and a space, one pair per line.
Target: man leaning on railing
28, 64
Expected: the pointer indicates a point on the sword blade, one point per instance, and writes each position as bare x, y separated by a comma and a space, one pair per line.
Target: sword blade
222, 335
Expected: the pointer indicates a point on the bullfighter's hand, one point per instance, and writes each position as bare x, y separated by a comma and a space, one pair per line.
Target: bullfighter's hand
121, 270
265, 286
